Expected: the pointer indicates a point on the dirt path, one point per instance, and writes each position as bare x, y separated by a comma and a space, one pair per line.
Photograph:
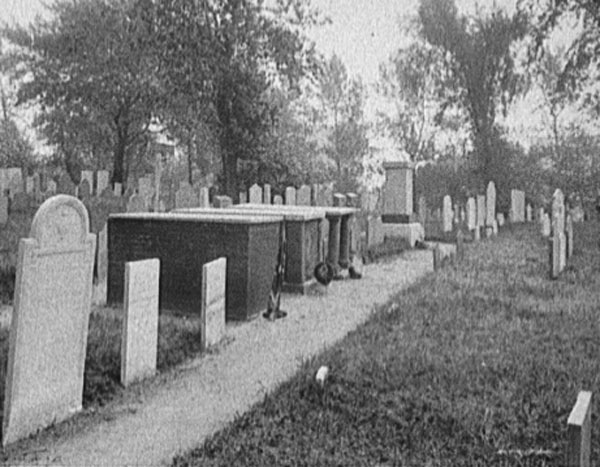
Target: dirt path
215, 387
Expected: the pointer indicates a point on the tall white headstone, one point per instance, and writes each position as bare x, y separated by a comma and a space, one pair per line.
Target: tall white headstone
48, 336
214, 278
290, 196
490, 199
481, 210
447, 214
255, 194
303, 196
471, 213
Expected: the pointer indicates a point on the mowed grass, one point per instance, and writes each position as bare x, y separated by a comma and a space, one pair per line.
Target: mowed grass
478, 364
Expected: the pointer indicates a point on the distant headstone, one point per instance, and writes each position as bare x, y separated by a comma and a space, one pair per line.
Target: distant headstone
102, 181
352, 200
303, 196
65, 185
222, 201
481, 210
328, 195
118, 189
136, 203
145, 189
546, 227
214, 275
139, 337
29, 185
529, 213
558, 242
490, 199
84, 191
51, 187
278, 199
290, 196
185, 197
101, 266
255, 194
204, 198
517, 206
266, 194
339, 200
3, 209
471, 213
243, 197
500, 219
89, 176
579, 432
447, 214
16, 184
48, 335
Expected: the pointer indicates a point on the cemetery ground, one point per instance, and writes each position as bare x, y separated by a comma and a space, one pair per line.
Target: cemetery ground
478, 364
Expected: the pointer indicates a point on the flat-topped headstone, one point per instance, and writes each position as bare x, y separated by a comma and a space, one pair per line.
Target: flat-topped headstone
278, 199
546, 227
185, 197
517, 206
29, 185
352, 200
16, 184
243, 197
101, 266
222, 201
290, 196
139, 336
102, 181
327, 195
471, 213
481, 211
214, 276
447, 214
398, 188
204, 197
579, 432
65, 185
255, 194
267, 193
118, 189
558, 211
339, 200
500, 219
303, 196
136, 203
490, 199
48, 335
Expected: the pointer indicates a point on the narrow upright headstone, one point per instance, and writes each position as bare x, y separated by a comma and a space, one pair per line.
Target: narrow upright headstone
214, 278
490, 199
48, 335
500, 219
278, 199
481, 210
101, 267
517, 206
255, 194
84, 191
204, 197
266, 194
16, 184
146, 189
290, 196
139, 333
3, 209
471, 213
579, 432
339, 200
118, 189
447, 214
529, 213
243, 197
51, 187
546, 227
89, 176
102, 181
328, 194
303, 196
559, 247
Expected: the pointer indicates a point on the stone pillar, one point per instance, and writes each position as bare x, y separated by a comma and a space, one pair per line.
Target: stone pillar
344, 242
333, 253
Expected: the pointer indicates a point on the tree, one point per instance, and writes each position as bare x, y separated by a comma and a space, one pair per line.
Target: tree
94, 77
343, 102
481, 62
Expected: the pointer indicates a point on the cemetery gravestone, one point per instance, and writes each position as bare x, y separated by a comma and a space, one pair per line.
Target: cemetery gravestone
51, 188
569, 235
214, 275
339, 200
490, 204
29, 185
84, 191
500, 219
139, 337
267, 194
481, 211
278, 199
303, 196
3, 209
558, 242
243, 197
145, 189
204, 197
290, 196
546, 227
529, 213
255, 194
447, 214
579, 432
185, 196
118, 189
517, 206
471, 214
88, 175
49, 328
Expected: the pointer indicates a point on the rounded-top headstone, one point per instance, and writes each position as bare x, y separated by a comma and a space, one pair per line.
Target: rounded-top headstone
60, 220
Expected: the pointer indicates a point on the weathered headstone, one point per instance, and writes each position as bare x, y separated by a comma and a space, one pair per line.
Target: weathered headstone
500, 219
222, 201
481, 210
517, 206
303, 196
65, 185
84, 191
529, 213
214, 275
139, 337
327, 195
185, 197
89, 176
546, 227
558, 241
29, 185
471, 213
339, 200
579, 432
49, 328
290, 196
102, 181
243, 197
204, 197
255, 194
118, 189
278, 199
3, 209
136, 203
51, 187
447, 214
490, 199
145, 189
266, 194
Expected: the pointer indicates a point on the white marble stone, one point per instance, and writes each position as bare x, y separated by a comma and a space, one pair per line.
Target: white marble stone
214, 279
255, 194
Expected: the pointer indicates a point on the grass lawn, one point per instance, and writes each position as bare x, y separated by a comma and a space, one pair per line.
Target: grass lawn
474, 365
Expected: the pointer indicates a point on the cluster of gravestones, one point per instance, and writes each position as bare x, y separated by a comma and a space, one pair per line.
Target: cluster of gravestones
560, 227
52, 303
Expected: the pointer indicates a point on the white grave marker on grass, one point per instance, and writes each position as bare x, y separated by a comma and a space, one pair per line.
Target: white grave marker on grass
214, 275
48, 336
139, 337
579, 432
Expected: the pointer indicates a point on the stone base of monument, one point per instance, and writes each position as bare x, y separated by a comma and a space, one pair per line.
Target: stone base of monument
413, 232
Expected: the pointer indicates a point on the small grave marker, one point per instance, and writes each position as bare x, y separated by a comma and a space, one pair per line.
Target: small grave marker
290, 196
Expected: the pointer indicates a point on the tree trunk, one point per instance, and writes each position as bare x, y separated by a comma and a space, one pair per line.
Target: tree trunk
229, 162
119, 159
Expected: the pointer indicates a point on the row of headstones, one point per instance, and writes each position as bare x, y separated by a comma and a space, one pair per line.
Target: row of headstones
53, 296
560, 227
313, 195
